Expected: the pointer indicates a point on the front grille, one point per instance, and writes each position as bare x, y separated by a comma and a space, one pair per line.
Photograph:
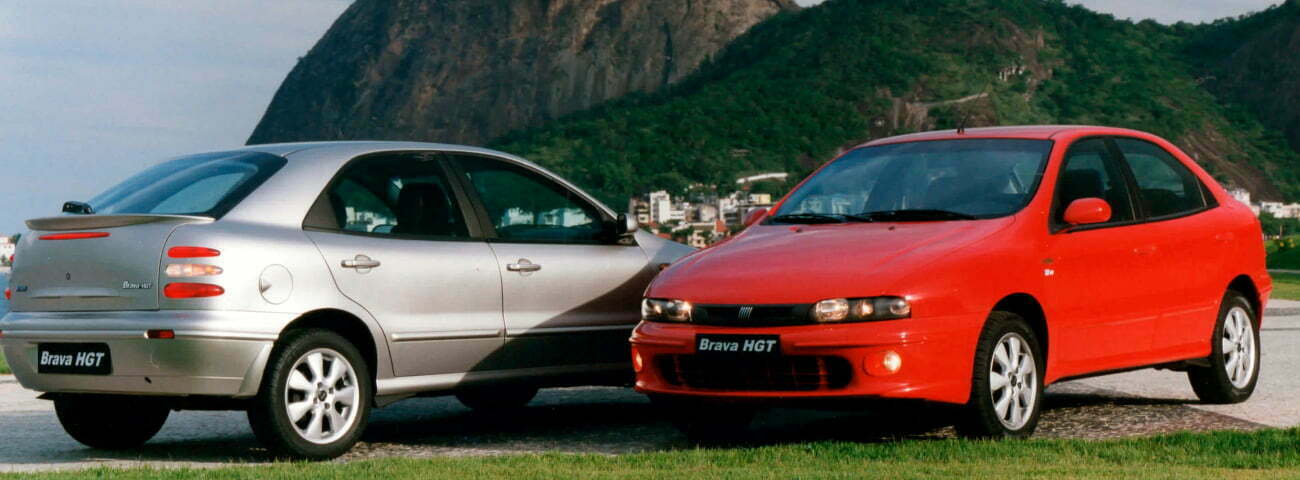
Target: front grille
751, 316
780, 374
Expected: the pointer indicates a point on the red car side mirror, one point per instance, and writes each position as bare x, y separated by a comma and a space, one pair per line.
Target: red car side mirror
1087, 211
755, 215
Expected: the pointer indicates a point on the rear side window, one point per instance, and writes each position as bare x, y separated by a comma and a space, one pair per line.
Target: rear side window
402, 195
205, 185
1090, 171
1165, 186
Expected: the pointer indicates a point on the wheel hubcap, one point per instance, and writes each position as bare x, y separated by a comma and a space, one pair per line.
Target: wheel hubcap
1013, 381
1238, 347
321, 396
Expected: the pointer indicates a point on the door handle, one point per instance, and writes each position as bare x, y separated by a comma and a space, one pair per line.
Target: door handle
1146, 251
361, 263
523, 266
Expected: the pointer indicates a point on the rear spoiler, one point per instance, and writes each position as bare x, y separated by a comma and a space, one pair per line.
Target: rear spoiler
81, 222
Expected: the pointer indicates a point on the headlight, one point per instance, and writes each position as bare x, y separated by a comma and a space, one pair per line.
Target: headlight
654, 309
833, 310
861, 309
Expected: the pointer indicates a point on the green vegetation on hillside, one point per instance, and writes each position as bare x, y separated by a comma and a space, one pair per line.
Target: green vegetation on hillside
4, 367
802, 86
1265, 454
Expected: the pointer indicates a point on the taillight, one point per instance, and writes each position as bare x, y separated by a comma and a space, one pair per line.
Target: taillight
73, 236
192, 290
185, 270
9, 293
192, 252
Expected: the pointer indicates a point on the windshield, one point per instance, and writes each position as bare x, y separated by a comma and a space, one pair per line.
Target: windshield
205, 185
922, 181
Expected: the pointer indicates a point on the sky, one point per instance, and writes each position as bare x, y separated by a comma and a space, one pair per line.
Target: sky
92, 91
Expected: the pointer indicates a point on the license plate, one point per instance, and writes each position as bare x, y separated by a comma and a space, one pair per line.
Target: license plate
738, 346
78, 358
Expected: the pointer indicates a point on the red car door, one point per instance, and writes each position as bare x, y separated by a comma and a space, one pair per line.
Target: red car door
1189, 260
1096, 275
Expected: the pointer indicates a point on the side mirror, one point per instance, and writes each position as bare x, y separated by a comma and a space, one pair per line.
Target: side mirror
755, 215
626, 225
1087, 211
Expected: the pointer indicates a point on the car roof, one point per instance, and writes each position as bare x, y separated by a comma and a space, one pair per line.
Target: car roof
362, 147
1030, 132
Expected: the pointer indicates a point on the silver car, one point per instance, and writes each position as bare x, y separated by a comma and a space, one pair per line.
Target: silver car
308, 283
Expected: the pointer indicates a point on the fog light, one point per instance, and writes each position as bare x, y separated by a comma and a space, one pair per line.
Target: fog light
638, 363
832, 310
883, 363
160, 334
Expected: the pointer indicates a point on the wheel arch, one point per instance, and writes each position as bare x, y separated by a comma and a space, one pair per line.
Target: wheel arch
1244, 285
1031, 310
347, 326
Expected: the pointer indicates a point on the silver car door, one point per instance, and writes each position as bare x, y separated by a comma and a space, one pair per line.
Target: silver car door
398, 243
571, 288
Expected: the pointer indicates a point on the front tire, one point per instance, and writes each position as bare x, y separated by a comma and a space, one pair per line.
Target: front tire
1233, 367
315, 398
1007, 384
110, 423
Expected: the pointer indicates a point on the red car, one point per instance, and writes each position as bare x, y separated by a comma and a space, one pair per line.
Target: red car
970, 268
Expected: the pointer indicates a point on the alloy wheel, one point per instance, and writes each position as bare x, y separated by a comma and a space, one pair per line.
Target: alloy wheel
321, 396
1238, 347
1013, 381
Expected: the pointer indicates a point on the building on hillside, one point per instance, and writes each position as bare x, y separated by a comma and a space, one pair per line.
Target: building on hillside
661, 204
782, 176
1281, 210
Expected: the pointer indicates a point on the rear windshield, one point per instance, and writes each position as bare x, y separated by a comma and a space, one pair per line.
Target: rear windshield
204, 185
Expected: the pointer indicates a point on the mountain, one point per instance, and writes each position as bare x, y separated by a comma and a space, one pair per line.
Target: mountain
468, 71
1255, 61
799, 88
596, 99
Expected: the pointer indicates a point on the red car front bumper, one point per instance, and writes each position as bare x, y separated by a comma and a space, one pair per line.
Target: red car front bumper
816, 361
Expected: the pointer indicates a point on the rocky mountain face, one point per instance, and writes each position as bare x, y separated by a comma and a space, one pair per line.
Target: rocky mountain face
801, 88
467, 71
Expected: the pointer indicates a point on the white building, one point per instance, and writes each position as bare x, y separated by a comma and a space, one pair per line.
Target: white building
763, 176
1281, 210
661, 206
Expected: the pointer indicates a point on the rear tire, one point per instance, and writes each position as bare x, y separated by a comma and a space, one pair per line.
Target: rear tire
495, 399
111, 423
1234, 355
315, 398
1007, 385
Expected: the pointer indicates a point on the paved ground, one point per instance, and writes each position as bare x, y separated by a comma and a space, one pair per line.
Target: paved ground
614, 420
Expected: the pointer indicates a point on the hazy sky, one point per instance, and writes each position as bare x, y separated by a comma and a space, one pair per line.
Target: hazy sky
92, 91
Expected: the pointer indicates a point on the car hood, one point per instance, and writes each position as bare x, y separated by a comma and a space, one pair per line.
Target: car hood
785, 264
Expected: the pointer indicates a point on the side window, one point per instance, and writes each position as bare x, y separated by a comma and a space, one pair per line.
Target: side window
525, 206
1090, 172
405, 195
1165, 185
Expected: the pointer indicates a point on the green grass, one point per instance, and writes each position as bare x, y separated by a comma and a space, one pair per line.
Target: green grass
1286, 286
4, 367
1264, 454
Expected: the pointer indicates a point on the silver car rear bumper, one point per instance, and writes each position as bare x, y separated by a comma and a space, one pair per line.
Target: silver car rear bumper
213, 352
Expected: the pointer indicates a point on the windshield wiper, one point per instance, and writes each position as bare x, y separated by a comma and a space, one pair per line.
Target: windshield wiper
915, 215
808, 218
79, 208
